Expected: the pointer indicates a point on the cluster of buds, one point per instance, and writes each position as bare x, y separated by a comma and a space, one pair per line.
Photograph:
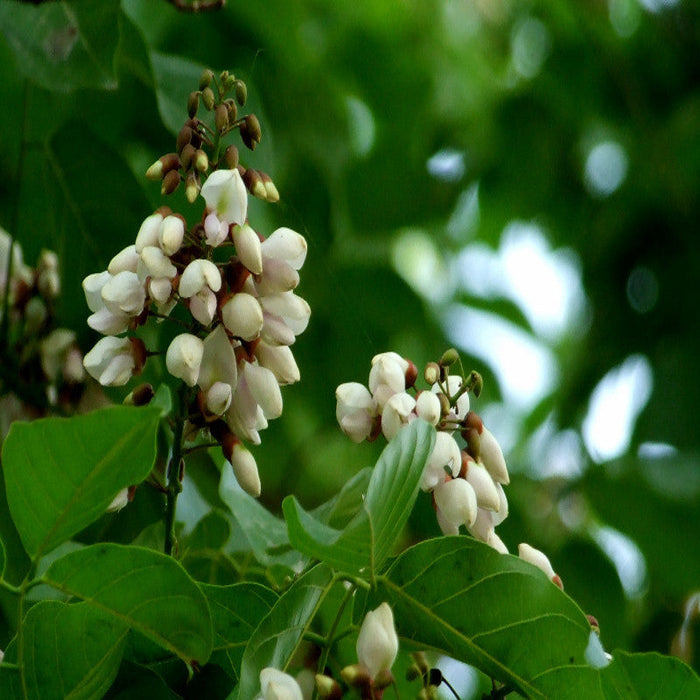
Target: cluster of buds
36, 353
466, 483
198, 145
233, 291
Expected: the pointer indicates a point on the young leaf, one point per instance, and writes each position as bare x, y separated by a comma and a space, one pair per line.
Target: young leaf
149, 591
64, 45
62, 473
71, 652
493, 611
278, 635
236, 611
368, 539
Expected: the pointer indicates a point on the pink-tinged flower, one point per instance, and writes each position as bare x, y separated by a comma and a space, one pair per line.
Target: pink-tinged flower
428, 407
243, 316
356, 410
226, 195
445, 460
248, 247
387, 376
198, 283
245, 469
456, 500
113, 361
377, 642
279, 360
397, 413
215, 231
149, 233
184, 357
492, 457
276, 685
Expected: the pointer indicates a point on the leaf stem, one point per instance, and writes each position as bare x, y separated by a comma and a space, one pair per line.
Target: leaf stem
175, 472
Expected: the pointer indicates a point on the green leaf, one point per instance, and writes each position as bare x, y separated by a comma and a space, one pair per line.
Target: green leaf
641, 676
236, 611
340, 510
203, 553
147, 590
493, 611
175, 78
369, 538
62, 473
64, 45
279, 634
71, 652
266, 534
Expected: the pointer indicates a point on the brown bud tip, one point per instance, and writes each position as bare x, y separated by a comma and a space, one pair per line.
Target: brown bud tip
556, 580
413, 673
142, 394
254, 183
171, 181
208, 98
471, 437
221, 118
449, 357
205, 79
253, 127
594, 624
192, 186
421, 661
201, 161
241, 92
411, 374
465, 465
247, 139
328, 688
383, 679
139, 353
232, 110
473, 420
431, 373
183, 138
356, 676
231, 157
187, 156
228, 443
192, 104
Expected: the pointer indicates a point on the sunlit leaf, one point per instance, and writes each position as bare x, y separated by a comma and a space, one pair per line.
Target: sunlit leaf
369, 538
62, 473
147, 590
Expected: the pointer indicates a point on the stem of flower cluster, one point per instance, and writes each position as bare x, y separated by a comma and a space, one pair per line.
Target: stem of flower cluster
175, 472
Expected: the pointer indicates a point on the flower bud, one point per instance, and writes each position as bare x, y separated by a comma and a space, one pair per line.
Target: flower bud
387, 376
200, 273
356, 676
218, 398
432, 373
276, 685
449, 357
184, 357
245, 469
539, 559
201, 161
172, 233
241, 91
164, 164
205, 79
184, 137
483, 485
221, 118
356, 410
457, 502
494, 541
328, 688
280, 361
428, 407
377, 642
383, 680
242, 316
397, 413
119, 501
171, 181
492, 457
445, 459
140, 396
208, 98
271, 193
231, 157
248, 247
225, 194
254, 183
149, 233
126, 260
232, 110
192, 186
124, 293
253, 127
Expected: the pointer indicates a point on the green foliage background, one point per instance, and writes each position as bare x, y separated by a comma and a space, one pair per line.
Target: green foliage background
354, 99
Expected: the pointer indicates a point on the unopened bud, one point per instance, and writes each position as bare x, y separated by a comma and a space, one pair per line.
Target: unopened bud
232, 110
328, 688
411, 374
201, 161
413, 673
208, 98
421, 662
162, 166
449, 357
183, 138
221, 118
473, 420
594, 624
192, 186
271, 193
471, 437
192, 104
475, 383
247, 139
383, 679
241, 92
228, 82
171, 181
253, 126
187, 156
205, 79
140, 396
432, 373
231, 157
254, 183
356, 676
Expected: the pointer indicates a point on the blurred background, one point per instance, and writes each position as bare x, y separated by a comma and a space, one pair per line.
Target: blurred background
518, 180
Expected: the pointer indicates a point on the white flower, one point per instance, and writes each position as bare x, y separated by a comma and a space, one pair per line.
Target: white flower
387, 376
276, 685
377, 642
454, 383
502, 513
492, 457
279, 360
428, 407
497, 543
445, 459
119, 501
102, 319
47, 280
111, 362
292, 310
123, 293
356, 410
215, 231
248, 247
125, 260
225, 193
245, 469
482, 528
243, 316
171, 234
149, 233
446, 527
486, 492
199, 282
218, 374
54, 350
155, 263
283, 254
264, 389
457, 502
184, 357
397, 412
538, 558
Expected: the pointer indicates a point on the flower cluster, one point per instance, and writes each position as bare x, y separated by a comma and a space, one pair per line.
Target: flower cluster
229, 286
42, 364
466, 482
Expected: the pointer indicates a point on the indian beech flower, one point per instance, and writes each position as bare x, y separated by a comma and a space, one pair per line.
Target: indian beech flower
218, 375
184, 357
226, 195
387, 376
540, 560
397, 412
123, 293
113, 361
483, 485
377, 642
149, 233
279, 360
125, 260
456, 500
198, 283
243, 316
492, 457
454, 384
171, 234
276, 685
445, 459
245, 469
428, 407
119, 501
289, 308
355, 411
248, 247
